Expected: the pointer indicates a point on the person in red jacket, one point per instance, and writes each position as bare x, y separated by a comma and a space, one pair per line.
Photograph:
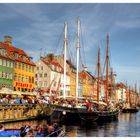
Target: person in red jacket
87, 104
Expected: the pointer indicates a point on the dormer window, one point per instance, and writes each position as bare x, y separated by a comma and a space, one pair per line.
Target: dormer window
23, 57
30, 59
15, 54
3, 51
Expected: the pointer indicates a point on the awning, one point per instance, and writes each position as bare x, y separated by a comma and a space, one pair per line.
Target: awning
11, 92
100, 103
6, 91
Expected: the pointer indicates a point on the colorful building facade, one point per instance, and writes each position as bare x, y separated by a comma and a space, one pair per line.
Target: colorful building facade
23, 70
6, 69
72, 79
87, 81
49, 76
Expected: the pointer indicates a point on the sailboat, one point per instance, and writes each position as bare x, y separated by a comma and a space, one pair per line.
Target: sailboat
76, 112
106, 114
129, 108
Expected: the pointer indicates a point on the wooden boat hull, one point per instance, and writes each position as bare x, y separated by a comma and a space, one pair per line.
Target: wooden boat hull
67, 114
108, 115
130, 110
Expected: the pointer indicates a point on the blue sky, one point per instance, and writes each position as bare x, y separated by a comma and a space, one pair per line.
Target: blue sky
35, 26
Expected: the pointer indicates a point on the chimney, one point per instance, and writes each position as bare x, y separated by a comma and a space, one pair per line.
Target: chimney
8, 40
50, 57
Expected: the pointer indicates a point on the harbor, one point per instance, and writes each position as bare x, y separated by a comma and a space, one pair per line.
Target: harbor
45, 93
127, 125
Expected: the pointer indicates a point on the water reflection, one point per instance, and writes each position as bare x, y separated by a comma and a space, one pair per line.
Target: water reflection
128, 125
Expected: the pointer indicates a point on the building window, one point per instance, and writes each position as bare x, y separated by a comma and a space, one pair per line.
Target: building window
32, 79
37, 68
23, 57
19, 77
7, 63
22, 78
15, 64
40, 75
3, 74
55, 68
54, 84
4, 62
29, 68
68, 93
45, 74
36, 83
6, 75
26, 67
41, 67
16, 55
3, 51
40, 83
45, 84
18, 88
22, 66
10, 76
32, 69
12, 64
26, 78
19, 65
22, 89
14, 88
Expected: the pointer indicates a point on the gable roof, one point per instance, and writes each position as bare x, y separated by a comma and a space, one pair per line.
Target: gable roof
48, 63
10, 50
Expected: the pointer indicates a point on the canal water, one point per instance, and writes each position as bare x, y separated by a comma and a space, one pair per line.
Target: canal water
127, 125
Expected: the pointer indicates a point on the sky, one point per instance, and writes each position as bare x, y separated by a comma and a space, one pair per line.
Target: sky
38, 29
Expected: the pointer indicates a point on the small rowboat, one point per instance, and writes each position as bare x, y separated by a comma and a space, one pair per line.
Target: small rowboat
16, 133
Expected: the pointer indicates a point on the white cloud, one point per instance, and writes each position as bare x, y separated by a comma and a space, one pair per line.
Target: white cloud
42, 27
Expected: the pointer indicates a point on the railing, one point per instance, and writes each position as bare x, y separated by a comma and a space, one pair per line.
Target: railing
17, 112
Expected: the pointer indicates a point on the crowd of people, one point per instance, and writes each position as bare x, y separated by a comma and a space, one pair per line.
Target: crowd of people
81, 103
8, 99
69, 102
43, 130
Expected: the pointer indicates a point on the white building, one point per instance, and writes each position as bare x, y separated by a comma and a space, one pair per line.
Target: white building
49, 76
120, 92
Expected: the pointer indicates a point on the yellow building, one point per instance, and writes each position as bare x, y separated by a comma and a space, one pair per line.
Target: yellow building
24, 73
87, 83
72, 71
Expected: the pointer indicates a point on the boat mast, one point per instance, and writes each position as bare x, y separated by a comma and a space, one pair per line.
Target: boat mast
107, 61
98, 66
129, 96
111, 83
65, 47
77, 56
135, 95
126, 91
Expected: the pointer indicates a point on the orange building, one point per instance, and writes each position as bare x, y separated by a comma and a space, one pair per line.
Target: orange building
87, 81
